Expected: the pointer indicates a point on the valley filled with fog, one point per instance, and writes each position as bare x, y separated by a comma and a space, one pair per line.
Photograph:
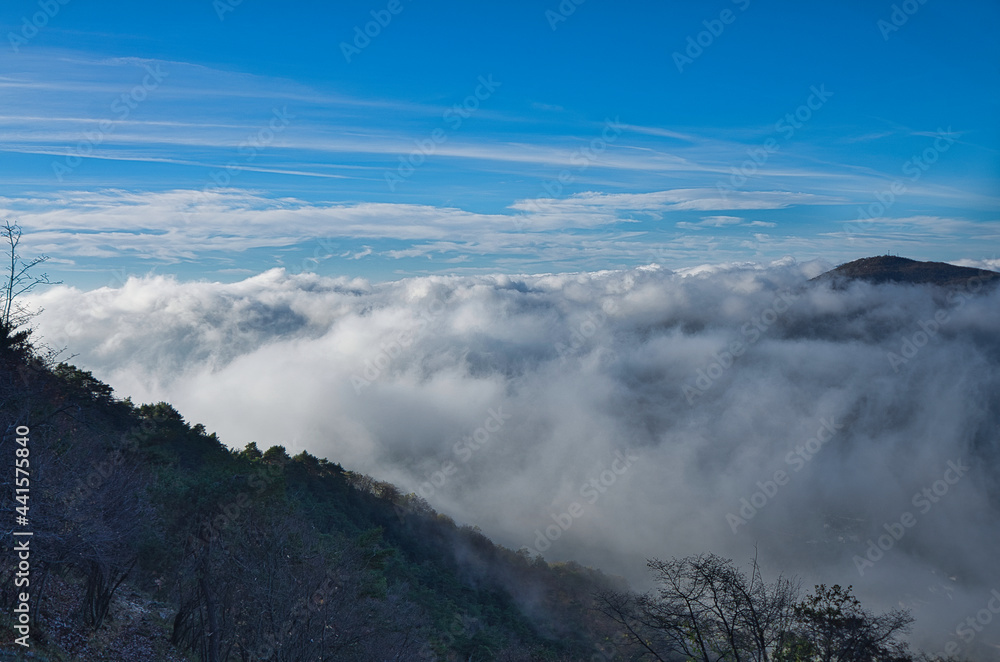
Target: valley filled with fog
849, 433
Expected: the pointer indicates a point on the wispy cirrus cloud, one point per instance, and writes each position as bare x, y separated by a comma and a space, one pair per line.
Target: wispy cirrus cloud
549, 192
723, 222
677, 199
190, 120
919, 228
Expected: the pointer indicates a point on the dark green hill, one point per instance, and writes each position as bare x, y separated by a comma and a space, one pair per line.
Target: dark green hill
152, 540
889, 268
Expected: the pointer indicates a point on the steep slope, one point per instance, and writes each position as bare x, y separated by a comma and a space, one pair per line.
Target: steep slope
152, 540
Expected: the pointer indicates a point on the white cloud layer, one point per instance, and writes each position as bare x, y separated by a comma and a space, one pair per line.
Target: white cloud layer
530, 386
218, 228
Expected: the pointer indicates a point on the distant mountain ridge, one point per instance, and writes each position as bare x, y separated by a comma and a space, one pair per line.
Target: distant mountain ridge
890, 268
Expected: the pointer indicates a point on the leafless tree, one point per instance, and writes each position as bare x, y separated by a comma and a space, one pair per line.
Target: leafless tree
705, 609
264, 587
17, 281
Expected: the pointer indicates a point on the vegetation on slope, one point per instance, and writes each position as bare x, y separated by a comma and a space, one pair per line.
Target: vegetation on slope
258, 555
891, 268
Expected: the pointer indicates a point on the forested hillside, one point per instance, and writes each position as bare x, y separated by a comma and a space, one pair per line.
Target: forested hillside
153, 540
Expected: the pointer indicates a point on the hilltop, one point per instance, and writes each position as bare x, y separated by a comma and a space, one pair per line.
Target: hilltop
890, 268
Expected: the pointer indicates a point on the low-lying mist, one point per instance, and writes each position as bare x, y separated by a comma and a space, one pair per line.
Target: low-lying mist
850, 435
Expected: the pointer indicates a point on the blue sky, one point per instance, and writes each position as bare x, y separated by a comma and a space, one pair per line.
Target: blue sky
220, 139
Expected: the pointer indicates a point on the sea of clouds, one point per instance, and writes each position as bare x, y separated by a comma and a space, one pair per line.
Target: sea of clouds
849, 433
